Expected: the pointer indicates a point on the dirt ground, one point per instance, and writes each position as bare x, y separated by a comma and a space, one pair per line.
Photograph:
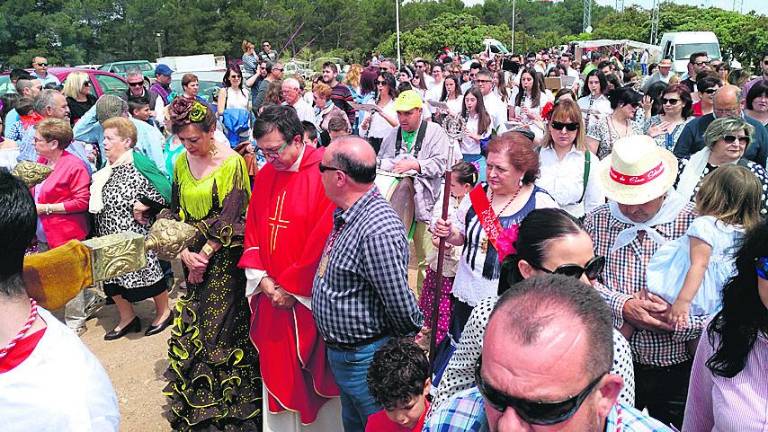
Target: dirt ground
136, 364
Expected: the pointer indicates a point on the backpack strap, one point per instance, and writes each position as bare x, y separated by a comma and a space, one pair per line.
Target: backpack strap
587, 163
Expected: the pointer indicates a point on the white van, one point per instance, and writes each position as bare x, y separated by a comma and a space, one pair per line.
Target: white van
679, 46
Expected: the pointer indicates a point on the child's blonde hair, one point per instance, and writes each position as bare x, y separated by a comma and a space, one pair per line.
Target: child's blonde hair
733, 195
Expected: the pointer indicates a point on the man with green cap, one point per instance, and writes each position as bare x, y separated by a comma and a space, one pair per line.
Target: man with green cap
419, 148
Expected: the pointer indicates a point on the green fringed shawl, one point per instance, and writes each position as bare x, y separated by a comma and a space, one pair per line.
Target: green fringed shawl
196, 195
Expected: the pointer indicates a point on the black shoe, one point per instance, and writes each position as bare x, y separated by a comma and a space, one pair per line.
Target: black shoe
133, 327
155, 329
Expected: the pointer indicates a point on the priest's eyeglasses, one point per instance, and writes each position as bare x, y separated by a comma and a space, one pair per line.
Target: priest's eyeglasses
274, 153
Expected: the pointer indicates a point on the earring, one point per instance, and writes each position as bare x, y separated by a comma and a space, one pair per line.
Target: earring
520, 183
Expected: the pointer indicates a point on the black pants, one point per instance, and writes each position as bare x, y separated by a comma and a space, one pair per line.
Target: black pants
663, 391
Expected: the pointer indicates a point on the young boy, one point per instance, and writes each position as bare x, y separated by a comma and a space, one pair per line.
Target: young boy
310, 133
398, 379
139, 109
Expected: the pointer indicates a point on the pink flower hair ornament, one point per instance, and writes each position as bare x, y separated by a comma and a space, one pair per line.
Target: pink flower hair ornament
505, 243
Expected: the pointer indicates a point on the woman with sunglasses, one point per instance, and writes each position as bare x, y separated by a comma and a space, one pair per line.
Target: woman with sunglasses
567, 170
548, 241
676, 110
380, 122
727, 390
233, 94
706, 87
621, 123
77, 89
725, 140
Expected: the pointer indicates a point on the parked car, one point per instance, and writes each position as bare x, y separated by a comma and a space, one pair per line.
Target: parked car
123, 67
101, 82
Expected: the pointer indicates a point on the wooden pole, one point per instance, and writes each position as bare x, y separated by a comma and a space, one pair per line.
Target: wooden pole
440, 261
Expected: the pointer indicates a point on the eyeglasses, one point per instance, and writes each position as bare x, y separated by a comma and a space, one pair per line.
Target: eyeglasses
710, 91
42, 64
556, 125
479, 81
381, 82
702, 63
730, 139
592, 269
235, 76
278, 69
324, 168
86, 84
673, 101
537, 413
136, 84
274, 153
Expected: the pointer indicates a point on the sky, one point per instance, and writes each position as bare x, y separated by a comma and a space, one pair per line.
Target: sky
759, 6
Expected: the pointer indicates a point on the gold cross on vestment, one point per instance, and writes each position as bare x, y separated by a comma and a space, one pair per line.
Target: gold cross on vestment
276, 222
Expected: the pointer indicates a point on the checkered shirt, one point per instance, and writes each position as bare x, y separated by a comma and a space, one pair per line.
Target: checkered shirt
364, 291
465, 412
625, 275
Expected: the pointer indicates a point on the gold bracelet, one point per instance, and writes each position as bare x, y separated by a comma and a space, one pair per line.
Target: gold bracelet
208, 250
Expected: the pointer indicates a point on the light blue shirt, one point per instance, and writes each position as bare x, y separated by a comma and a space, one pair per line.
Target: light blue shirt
49, 78
149, 140
11, 118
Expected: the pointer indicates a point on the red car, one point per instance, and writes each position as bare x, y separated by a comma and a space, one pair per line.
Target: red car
102, 82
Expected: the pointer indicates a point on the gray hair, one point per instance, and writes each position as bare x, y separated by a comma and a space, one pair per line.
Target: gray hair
722, 126
44, 100
134, 72
24, 84
292, 83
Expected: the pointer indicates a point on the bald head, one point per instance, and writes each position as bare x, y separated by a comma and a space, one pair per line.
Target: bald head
727, 102
354, 156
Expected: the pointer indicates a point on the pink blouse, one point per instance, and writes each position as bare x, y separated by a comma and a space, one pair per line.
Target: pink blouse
717, 403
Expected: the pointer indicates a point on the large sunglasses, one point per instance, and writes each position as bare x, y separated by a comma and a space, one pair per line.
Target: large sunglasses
556, 125
730, 139
136, 84
537, 413
324, 168
592, 269
671, 101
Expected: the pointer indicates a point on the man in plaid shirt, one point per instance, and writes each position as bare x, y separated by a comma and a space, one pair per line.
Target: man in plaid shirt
643, 213
360, 296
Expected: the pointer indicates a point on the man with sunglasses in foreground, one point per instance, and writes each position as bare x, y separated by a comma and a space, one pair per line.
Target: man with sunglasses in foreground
643, 213
547, 352
288, 220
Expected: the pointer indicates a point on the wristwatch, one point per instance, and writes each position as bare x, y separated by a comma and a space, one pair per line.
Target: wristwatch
207, 250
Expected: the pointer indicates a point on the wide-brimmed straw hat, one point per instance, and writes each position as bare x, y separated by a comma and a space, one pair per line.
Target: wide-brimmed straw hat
637, 171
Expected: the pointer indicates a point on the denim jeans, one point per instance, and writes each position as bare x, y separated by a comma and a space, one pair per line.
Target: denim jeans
350, 369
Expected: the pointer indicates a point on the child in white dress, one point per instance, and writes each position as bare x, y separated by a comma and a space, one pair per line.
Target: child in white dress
690, 272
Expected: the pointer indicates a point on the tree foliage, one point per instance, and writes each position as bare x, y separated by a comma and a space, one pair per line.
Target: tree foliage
97, 31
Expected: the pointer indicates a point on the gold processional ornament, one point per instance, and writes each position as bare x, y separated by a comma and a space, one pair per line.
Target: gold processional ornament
31, 173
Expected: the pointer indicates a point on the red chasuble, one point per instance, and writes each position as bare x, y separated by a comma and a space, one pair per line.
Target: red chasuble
289, 219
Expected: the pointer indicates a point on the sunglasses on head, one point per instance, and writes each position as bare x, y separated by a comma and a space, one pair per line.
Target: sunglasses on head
556, 125
672, 101
592, 269
730, 139
532, 412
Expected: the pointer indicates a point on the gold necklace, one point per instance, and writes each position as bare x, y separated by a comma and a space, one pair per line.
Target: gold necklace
517, 192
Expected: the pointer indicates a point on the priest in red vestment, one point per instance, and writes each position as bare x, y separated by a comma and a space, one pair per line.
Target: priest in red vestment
288, 221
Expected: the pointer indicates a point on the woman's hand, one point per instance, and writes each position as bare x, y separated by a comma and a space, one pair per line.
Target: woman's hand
193, 260
140, 213
647, 104
367, 122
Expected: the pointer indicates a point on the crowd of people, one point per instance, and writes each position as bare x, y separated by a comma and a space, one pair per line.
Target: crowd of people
591, 257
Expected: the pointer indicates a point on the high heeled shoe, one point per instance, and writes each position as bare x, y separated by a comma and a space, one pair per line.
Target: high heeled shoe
155, 329
133, 327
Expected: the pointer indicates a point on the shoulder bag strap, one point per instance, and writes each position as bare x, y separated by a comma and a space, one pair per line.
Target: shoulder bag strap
587, 163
